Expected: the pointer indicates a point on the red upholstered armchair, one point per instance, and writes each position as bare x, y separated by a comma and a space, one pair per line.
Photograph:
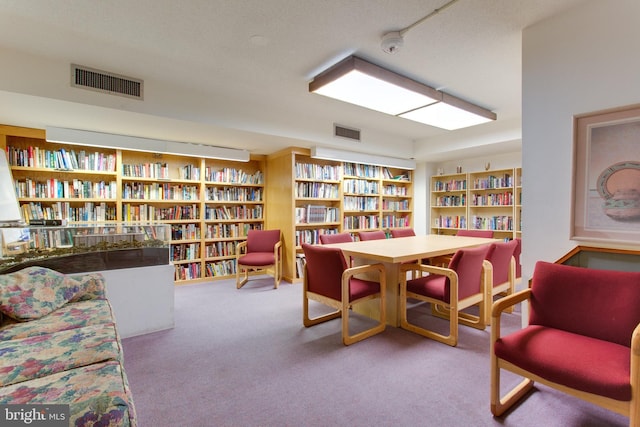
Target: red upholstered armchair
583, 338
448, 290
372, 235
503, 272
261, 250
402, 232
488, 234
326, 239
328, 280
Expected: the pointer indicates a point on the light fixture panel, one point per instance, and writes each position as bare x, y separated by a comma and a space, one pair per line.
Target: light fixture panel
357, 87
445, 116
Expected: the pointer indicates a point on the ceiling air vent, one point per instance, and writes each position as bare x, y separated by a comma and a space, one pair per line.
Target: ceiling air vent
103, 81
345, 132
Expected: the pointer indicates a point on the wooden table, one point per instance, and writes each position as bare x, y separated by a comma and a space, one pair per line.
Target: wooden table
393, 252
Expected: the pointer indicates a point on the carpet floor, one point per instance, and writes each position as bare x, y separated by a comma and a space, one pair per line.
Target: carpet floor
243, 358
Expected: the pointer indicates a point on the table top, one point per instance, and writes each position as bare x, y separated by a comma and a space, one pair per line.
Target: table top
402, 249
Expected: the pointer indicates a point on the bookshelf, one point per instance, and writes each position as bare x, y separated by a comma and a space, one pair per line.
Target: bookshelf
486, 200
308, 197
208, 204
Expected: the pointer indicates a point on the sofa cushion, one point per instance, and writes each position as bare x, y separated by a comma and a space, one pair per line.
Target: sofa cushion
34, 292
97, 394
601, 304
28, 358
580, 362
69, 316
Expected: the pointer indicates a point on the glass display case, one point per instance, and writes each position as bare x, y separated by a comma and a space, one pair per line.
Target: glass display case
85, 247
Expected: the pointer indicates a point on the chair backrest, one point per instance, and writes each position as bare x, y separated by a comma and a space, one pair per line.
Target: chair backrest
467, 263
475, 233
499, 255
262, 240
516, 255
326, 239
602, 304
372, 235
402, 232
324, 270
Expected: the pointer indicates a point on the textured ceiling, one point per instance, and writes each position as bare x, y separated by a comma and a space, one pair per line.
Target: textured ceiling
235, 73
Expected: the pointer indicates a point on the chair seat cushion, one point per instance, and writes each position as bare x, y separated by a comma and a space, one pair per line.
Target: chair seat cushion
360, 288
576, 361
433, 286
257, 259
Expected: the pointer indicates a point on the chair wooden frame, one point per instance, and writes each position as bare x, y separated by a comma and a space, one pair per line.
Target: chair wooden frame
342, 307
507, 288
241, 249
449, 311
499, 405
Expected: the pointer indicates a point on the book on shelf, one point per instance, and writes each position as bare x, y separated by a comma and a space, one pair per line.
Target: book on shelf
48, 222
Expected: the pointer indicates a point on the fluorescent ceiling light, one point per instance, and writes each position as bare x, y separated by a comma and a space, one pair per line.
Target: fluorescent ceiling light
359, 82
354, 157
451, 115
108, 140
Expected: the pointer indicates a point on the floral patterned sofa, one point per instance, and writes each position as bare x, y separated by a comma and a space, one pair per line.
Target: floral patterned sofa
59, 345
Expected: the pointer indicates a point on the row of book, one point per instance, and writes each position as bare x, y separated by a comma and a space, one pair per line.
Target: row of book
313, 214
220, 249
146, 212
452, 221
233, 194
187, 271
221, 268
492, 181
396, 205
359, 186
450, 185
312, 237
185, 231
230, 230
394, 190
184, 252
393, 221
56, 189
156, 170
37, 157
451, 201
360, 203
159, 191
89, 211
361, 170
498, 223
316, 171
317, 190
492, 199
357, 222
233, 176
233, 212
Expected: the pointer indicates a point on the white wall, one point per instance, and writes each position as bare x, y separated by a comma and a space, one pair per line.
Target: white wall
583, 60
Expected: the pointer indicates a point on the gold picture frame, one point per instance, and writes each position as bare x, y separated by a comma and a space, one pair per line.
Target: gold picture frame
606, 176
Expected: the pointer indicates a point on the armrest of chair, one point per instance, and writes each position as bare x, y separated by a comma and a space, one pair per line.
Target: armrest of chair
443, 271
501, 305
241, 248
361, 269
277, 249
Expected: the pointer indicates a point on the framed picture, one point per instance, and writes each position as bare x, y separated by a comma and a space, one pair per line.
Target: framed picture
606, 176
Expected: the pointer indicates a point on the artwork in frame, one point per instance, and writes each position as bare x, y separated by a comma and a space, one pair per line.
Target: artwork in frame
606, 176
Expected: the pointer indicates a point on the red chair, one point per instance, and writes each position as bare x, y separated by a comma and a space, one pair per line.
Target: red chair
516, 255
261, 250
476, 233
326, 239
328, 280
452, 289
503, 270
402, 232
372, 235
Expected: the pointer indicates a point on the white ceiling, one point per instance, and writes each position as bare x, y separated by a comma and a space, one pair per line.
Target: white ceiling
236, 72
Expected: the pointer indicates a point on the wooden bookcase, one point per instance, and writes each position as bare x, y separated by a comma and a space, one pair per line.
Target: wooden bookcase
210, 204
346, 197
486, 200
